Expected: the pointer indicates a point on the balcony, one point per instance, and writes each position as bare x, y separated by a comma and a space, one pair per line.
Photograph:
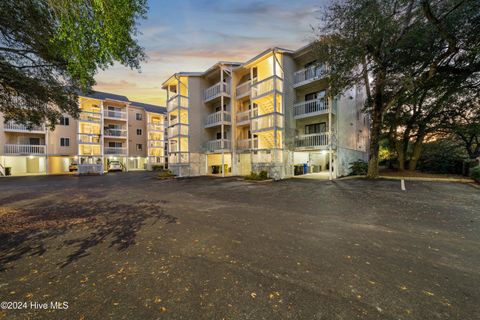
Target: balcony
155, 126
218, 118
115, 133
114, 114
310, 108
11, 126
217, 90
176, 157
25, 149
115, 151
89, 116
314, 140
308, 75
178, 130
267, 86
267, 122
87, 138
243, 90
247, 144
217, 145
155, 143
177, 102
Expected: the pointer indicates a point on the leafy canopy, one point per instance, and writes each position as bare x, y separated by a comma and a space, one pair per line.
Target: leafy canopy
51, 49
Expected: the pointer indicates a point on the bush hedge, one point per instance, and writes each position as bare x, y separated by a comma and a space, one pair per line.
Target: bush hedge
475, 173
358, 168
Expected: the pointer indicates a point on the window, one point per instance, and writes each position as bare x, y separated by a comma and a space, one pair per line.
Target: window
139, 146
138, 116
219, 135
255, 73
315, 95
65, 142
113, 144
316, 128
34, 141
139, 132
64, 121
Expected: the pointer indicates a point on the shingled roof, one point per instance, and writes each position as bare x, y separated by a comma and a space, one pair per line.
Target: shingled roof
149, 107
105, 95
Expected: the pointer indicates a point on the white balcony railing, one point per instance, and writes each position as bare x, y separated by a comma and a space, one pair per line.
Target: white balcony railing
25, 149
265, 122
313, 107
113, 114
309, 74
152, 126
215, 118
312, 140
86, 138
216, 91
217, 145
158, 137
13, 126
117, 133
90, 116
177, 130
177, 157
247, 144
155, 144
177, 102
115, 150
243, 89
267, 86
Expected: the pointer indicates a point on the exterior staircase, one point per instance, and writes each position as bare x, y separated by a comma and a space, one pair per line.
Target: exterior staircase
2, 171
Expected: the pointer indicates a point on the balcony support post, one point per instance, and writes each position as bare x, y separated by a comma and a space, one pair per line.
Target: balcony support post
274, 107
222, 127
46, 152
330, 173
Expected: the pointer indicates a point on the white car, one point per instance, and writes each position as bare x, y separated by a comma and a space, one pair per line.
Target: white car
114, 166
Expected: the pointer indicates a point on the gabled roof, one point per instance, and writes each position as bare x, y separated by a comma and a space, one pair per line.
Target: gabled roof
150, 107
104, 96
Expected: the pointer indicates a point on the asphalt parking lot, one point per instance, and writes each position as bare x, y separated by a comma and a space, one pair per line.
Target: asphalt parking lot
129, 246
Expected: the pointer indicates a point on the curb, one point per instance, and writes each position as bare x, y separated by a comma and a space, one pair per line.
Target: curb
461, 180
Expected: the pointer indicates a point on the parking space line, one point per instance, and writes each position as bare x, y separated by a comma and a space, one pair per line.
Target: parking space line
402, 185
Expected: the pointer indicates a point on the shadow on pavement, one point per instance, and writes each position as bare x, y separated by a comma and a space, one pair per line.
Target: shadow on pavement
24, 231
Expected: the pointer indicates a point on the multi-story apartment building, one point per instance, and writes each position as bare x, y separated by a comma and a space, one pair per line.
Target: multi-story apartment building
273, 113
110, 128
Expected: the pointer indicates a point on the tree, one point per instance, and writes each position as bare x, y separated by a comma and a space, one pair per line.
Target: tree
394, 47
51, 49
463, 121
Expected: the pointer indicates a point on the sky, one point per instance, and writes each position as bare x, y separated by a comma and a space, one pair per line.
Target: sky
192, 35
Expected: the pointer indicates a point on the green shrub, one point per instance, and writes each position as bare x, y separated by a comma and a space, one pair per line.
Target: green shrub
263, 175
358, 168
475, 173
442, 156
165, 174
157, 167
8, 171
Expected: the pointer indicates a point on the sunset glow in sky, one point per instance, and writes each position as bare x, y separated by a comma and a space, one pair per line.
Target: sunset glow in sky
192, 35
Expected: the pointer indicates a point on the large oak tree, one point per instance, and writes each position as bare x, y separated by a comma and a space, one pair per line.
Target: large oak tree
51, 49
394, 47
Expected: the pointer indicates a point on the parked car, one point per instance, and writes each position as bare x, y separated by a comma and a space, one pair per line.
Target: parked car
115, 166
73, 167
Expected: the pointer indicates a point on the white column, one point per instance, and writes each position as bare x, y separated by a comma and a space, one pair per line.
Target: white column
102, 142
46, 150
330, 176
222, 126
274, 57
